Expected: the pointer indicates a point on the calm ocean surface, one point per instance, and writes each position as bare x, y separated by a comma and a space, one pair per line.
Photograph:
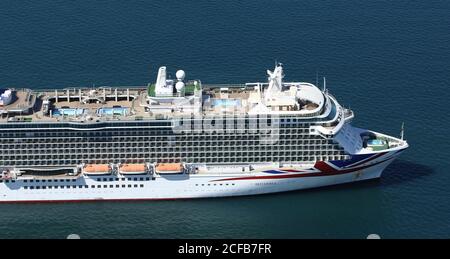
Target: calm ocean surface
387, 60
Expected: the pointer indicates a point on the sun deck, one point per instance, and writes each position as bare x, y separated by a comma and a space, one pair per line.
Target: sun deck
22, 102
165, 100
76, 104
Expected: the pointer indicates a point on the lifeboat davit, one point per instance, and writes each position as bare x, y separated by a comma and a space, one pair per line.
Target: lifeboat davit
94, 169
169, 168
128, 169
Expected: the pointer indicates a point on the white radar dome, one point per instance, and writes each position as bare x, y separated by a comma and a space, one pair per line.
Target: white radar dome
180, 75
179, 86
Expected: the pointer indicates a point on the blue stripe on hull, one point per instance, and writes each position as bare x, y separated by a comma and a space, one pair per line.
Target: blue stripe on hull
352, 160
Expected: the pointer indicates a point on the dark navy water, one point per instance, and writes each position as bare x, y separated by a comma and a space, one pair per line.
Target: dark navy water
387, 60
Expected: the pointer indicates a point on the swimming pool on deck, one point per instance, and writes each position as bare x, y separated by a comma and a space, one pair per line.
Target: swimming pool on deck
120, 111
376, 142
68, 112
226, 102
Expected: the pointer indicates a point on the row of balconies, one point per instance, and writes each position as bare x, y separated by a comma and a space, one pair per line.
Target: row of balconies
156, 150
74, 162
281, 139
243, 155
167, 143
130, 137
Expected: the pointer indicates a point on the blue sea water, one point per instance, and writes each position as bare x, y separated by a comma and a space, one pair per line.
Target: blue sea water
387, 60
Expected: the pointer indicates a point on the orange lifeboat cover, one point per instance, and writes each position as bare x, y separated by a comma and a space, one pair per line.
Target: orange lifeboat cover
133, 168
96, 168
169, 167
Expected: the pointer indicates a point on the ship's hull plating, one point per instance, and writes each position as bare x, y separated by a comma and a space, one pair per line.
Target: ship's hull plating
185, 186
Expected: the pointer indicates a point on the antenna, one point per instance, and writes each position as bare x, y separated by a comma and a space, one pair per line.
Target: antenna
324, 84
402, 132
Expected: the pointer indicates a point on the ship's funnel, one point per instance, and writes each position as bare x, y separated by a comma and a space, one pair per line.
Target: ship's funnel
161, 79
163, 86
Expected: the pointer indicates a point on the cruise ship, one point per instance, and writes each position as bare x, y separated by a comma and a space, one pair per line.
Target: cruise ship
178, 139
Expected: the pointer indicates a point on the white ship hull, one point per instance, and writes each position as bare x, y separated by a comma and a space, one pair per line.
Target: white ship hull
186, 186
190, 141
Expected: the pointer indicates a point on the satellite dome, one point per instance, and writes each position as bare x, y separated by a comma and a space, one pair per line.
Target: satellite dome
179, 85
180, 75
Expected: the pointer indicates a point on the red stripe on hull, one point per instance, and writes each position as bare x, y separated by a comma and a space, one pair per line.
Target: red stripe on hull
324, 167
327, 173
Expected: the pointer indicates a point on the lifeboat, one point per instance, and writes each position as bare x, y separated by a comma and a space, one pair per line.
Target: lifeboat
127, 169
94, 169
169, 168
